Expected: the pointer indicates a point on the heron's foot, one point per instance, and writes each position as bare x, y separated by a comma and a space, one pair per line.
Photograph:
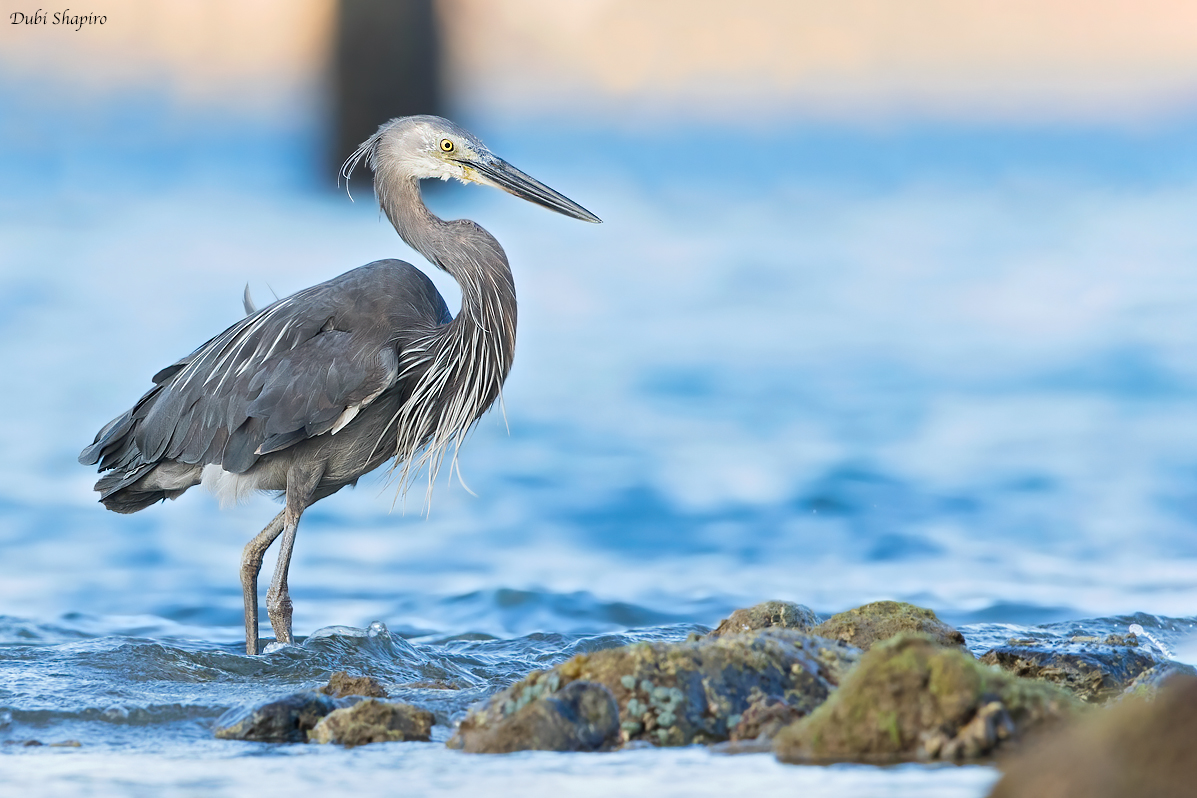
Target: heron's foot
278, 607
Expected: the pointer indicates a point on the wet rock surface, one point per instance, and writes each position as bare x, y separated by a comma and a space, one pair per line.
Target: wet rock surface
911, 698
283, 720
780, 614
341, 684
1135, 747
691, 692
1093, 670
881, 620
373, 721
582, 716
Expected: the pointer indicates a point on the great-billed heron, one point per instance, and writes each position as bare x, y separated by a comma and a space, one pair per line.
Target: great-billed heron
311, 392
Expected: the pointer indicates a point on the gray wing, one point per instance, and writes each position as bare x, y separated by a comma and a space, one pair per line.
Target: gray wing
286, 373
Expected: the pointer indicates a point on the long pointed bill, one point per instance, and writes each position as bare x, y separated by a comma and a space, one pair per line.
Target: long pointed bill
503, 175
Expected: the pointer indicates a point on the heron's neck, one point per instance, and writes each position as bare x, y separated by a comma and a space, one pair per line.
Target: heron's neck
475, 260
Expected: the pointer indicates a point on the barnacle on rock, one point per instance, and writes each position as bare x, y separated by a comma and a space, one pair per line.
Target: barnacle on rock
683, 693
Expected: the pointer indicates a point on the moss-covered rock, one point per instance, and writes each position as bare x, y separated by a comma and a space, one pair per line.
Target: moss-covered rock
283, 720
692, 692
910, 698
372, 721
881, 620
582, 716
342, 684
1092, 671
781, 614
1135, 747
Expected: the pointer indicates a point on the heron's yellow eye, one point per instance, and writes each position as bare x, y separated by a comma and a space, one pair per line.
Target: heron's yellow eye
446, 145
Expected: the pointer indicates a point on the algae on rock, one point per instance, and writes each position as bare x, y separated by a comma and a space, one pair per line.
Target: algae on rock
691, 692
881, 620
342, 684
373, 721
910, 698
770, 614
582, 716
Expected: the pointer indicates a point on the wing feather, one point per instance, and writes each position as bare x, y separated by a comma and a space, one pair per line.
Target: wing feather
281, 375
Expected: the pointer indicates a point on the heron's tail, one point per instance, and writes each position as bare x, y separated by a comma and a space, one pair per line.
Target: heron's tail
109, 442
119, 494
127, 482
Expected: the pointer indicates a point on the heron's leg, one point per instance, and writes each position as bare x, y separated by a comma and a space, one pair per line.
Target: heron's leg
300, 487
278, 598
251, 564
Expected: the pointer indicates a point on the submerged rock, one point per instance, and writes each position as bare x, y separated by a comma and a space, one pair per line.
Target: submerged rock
342, 684
371, 721
910, 698
881, 620
582, 716
1092, 670
781, 614
283, 720
691, 692
1136, 747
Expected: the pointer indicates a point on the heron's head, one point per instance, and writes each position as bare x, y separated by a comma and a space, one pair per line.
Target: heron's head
425, 147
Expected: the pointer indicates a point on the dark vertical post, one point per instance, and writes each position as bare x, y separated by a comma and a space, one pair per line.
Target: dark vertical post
386, 64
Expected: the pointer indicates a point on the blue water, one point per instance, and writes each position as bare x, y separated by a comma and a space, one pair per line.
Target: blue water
965, 381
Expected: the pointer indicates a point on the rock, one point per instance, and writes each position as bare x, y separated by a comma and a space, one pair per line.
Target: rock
691, 692
1093, 671
285, 720
371, 721
582, 716
342, 684
1135, 747
910, 698
1120, 640
781, 614
1148, 683
881, 620
764, 719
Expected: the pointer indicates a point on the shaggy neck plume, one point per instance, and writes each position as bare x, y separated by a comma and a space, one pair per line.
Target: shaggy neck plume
467, 360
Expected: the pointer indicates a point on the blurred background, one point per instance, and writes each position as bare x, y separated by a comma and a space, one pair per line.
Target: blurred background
893, 300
